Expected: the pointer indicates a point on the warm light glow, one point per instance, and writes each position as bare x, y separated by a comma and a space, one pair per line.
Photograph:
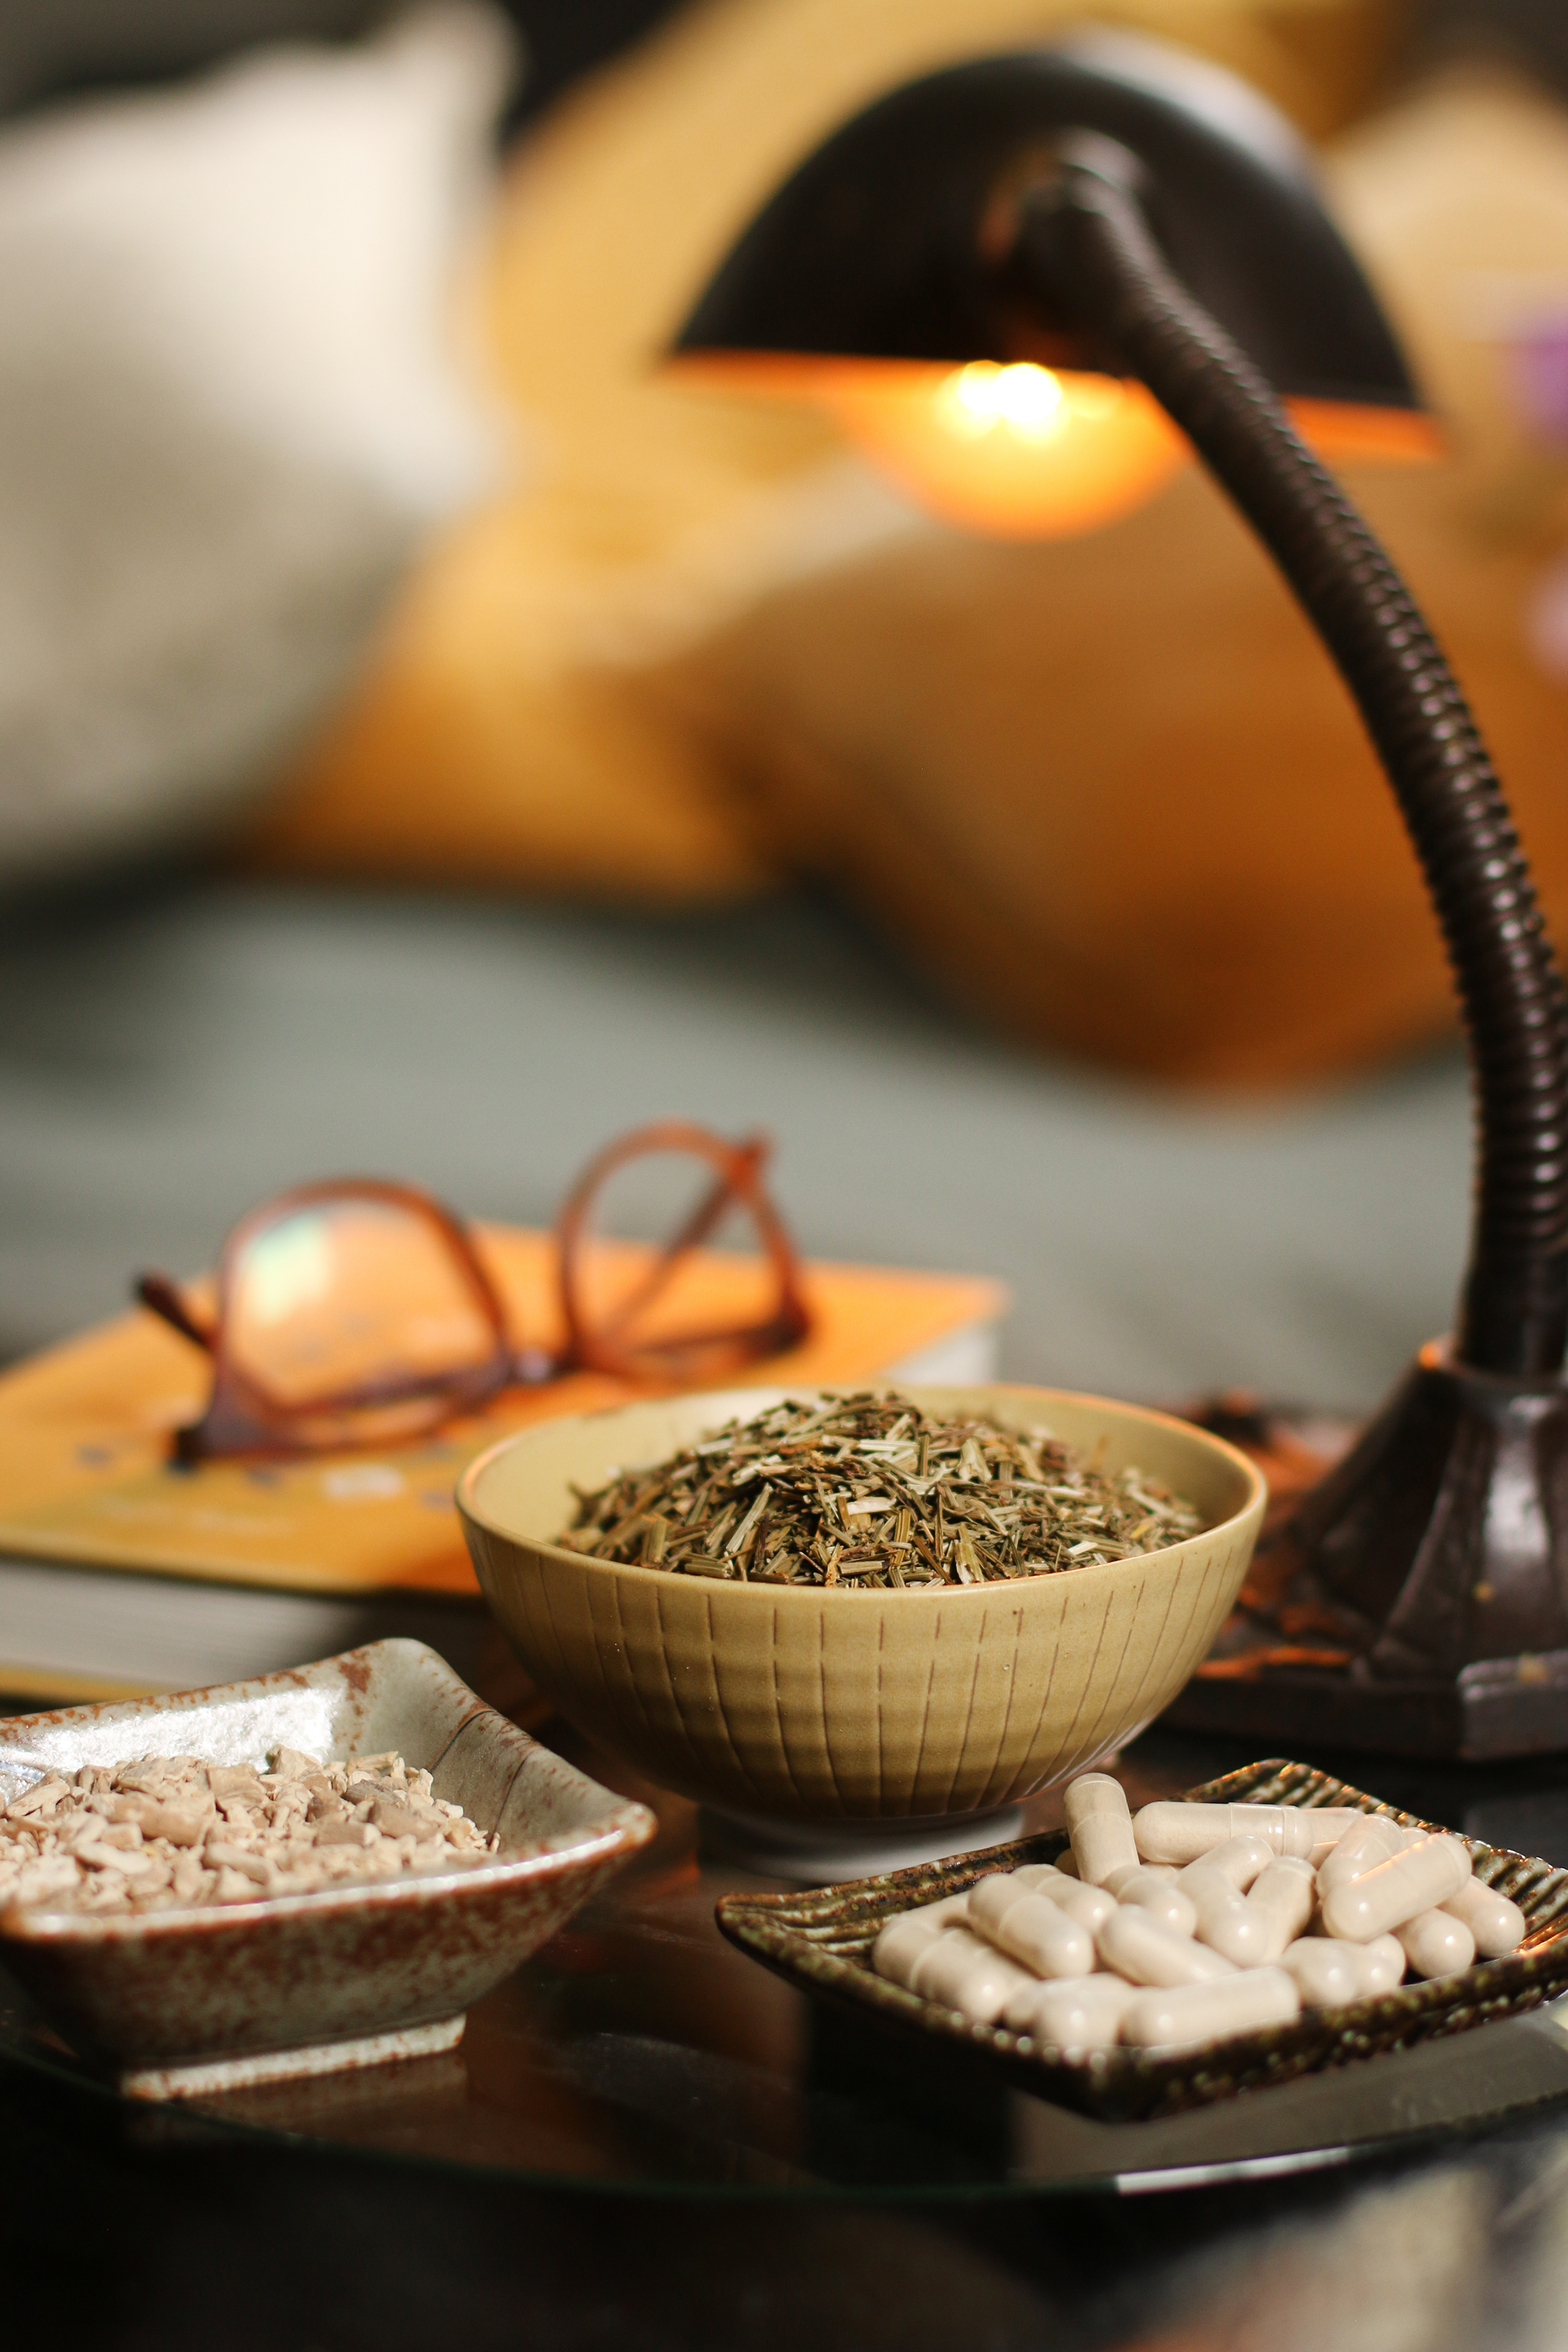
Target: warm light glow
1017, 451
1014, 451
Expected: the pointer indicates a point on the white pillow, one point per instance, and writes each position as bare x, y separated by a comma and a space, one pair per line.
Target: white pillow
232, 408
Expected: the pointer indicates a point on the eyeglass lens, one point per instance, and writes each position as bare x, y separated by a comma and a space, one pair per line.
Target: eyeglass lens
351, 1298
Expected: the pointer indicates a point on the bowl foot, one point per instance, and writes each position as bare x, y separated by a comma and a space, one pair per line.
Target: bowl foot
201, 2077
822, 1854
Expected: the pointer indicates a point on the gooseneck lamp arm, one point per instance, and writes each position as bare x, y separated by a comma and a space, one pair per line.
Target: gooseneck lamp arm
1085, 249
1107, 203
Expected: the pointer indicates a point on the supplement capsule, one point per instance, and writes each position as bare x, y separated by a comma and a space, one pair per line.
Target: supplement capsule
1242, 1859
1165, 1870
1327, 1973
1416, 1879
1285, 1894
1386, 1964
1100, 1826
1437, 1944
1136, 1945
1183, 2016
1371, 1839
1041, 1937
962, 1971
901, 1943
1030, 1877
1497, 1924
1161, 1897
1226, 1921
1073, 2013
1090, 1905
1177, 1832
990, 1899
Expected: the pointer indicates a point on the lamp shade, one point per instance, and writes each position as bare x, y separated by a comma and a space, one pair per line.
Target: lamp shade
871, 250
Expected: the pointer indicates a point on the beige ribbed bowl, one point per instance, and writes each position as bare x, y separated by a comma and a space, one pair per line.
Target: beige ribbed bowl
836, 1705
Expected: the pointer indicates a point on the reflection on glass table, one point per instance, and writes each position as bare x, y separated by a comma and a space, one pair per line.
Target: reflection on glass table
638, 2050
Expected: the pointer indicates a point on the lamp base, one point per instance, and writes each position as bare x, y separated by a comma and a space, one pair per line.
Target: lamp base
1414, 1601
1498, 1707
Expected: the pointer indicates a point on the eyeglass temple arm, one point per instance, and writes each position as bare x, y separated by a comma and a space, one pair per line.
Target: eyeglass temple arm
156, 1291
695, 1231
735, 1180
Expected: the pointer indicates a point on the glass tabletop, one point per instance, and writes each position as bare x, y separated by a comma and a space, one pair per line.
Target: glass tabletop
640, 2051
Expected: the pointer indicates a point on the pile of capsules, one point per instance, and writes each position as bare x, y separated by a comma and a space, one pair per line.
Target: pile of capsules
1194, 1922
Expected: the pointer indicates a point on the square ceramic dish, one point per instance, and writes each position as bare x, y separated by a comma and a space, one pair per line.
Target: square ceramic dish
196, 1999
822, 1942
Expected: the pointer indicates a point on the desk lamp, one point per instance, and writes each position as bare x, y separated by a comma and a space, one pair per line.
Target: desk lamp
1077, 248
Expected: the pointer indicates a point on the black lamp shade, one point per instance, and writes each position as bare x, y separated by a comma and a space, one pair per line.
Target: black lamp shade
871, 250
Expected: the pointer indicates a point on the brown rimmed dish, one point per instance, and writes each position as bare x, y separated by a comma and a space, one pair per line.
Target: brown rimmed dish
822, 1942
181, 2000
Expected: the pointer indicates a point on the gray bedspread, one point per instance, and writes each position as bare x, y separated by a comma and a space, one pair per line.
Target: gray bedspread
168, 1057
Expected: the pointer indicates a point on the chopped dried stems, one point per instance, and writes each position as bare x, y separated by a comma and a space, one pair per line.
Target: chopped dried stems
869, 1491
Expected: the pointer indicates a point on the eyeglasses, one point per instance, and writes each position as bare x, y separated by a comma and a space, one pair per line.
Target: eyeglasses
357, 1312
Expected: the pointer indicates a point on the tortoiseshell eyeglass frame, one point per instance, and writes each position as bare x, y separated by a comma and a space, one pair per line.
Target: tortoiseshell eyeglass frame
244, 1417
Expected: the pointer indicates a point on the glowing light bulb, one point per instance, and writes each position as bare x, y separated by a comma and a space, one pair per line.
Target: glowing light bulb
1019, 398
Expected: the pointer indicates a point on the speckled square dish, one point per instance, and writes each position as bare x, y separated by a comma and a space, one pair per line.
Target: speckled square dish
822, 1942
176, 2000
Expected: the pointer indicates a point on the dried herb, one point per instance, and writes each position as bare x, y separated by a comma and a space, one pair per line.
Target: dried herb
870, 1491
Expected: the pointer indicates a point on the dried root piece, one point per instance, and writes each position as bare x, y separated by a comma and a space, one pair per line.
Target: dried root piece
172, 1830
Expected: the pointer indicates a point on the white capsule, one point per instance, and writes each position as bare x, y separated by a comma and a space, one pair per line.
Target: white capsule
1066, 1862
1031, 1878
1226, 1921
1090, 1905
1041, 1937
1073, 2013
1497, 1924
901, 1943
1285, 1894
1100, 1825
1184, 2016
1370, 1839
1381, 1899
1329, 1824
1241, 1859
1163, 1870
960, 1970
1437, 1944
1161, 1897
991, 1897
1327, 1973
1179, 1832
1385, 1965
1135, 1946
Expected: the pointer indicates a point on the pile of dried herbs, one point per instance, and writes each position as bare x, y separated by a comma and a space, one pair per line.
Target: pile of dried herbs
869, 1490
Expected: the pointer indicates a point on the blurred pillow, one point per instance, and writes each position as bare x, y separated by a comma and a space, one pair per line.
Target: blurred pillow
228, 417
1108, 788
512, 731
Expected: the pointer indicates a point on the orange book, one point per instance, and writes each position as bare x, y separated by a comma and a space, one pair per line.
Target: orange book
121, 1572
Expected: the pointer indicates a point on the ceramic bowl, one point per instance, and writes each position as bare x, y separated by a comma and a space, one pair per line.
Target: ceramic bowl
182, 2000
844, 1705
